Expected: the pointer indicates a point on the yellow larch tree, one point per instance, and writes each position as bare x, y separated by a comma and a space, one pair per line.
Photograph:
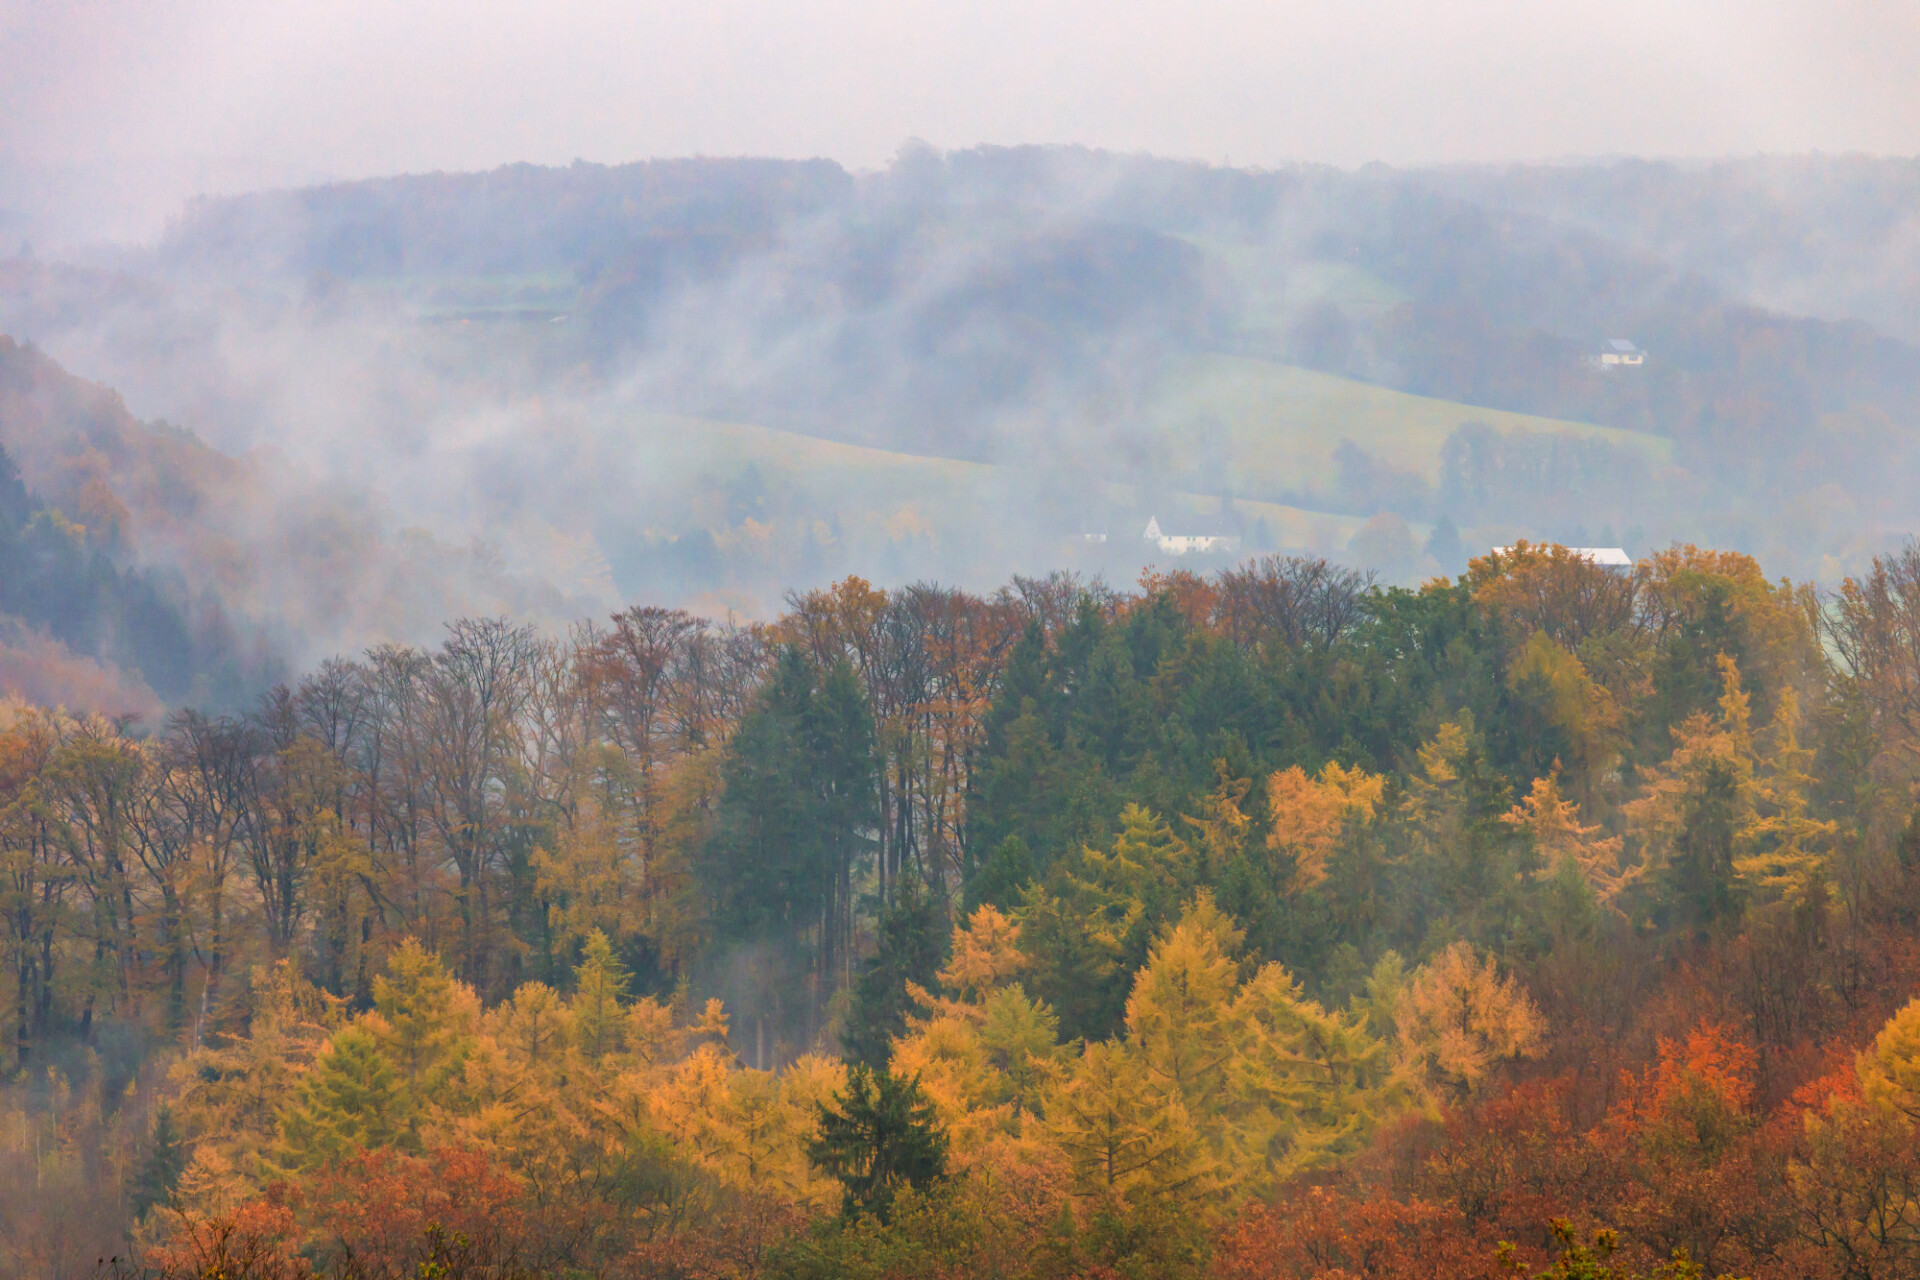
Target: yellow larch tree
986, 954
982, 1049
1180, 1016
747, 1128
426, 1019
1309, 1084
1145, 874
1784, 848
1309, 815
1127, 1142
1271, 1082
232, 1089
1560, 838
598, 1006
1457, 1019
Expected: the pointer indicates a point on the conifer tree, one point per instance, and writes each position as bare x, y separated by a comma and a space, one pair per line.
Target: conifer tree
1696, 807
354, 1099
159, 1173
1003, 876
1308, 1084
1180, 1016
533, 1027
1559, 839
1128, 1143
1085, 944
1785, 848
984, 1050
1071, 966
1459, 1018
1309, 815
913, 942
420, 1010
795, 817
600, 986
879, 1135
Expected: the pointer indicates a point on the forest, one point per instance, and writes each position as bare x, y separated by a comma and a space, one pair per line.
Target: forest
702, 382
1549, 920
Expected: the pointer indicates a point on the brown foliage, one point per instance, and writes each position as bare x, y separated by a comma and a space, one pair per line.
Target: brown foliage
380, 1210
39, 669
1548, 588
1334, 1235
255, 1243
1875, 629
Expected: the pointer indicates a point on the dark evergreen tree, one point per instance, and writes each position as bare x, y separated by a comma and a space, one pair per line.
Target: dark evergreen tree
795, 820
914, 930
159, 1173
878, 1136
1698, 886
1068, 968
1003, 877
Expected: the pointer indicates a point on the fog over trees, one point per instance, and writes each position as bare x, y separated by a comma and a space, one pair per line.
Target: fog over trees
643, 380
629, 722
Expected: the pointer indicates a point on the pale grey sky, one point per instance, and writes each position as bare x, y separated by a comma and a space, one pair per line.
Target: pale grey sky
115, 110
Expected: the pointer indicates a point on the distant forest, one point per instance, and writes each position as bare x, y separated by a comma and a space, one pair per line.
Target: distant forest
528, 350
918, 885
73, 583
1266, 923
1497, 283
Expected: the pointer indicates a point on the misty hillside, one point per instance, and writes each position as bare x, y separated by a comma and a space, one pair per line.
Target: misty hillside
140, 566
625, 381
1836, 237
737, 719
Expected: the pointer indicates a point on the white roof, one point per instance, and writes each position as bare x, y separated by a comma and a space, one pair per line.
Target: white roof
1621, 344
1605, 557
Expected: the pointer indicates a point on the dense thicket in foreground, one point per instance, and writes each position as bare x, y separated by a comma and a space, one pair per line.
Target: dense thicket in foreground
1262, 925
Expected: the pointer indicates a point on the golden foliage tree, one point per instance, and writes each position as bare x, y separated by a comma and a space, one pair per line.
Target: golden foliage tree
1309, 815
1560, 838
1458, 1019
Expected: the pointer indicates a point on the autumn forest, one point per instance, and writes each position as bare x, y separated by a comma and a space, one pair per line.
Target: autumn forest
1548, 920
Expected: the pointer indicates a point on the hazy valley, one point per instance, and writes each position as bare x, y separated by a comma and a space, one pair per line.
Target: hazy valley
1023, 713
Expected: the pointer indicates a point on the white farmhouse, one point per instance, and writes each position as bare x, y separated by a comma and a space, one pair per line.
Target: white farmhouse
1618, 351
1180, 544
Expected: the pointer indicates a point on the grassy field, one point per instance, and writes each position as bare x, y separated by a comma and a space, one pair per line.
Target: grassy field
785, 502
1261, 432
1222, 424
778, 506
1269, 430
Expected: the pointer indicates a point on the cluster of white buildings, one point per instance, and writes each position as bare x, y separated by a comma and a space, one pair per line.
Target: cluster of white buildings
1180, 544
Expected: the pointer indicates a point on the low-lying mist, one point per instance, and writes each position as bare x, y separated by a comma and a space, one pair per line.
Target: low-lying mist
708, 383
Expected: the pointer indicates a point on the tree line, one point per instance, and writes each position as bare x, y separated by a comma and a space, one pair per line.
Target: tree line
1263, 923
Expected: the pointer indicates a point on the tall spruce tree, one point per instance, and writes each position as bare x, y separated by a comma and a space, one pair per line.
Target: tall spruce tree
878, 1136
159, 1173
794, 821
913, 945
